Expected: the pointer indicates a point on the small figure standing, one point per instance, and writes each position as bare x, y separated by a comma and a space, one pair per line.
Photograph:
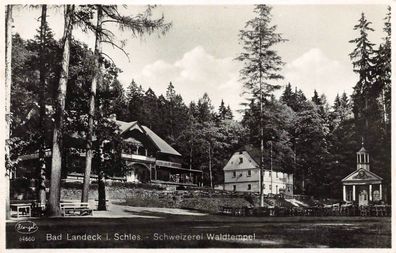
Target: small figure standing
102, 192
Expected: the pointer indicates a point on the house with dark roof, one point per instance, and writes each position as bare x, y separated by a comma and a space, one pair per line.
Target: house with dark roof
242, 173
148, 158
151, 159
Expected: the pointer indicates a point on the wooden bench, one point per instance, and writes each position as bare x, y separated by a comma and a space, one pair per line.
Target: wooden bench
21, 209
75, 209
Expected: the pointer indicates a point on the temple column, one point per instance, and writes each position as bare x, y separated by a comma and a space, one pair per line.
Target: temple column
353, 192
344, 192
370, 192
380, 191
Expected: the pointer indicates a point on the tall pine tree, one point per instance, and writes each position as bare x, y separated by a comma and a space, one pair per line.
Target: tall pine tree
261, 65
362, 60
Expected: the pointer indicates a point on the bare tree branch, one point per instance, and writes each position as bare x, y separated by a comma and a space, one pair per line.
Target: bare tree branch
117, 46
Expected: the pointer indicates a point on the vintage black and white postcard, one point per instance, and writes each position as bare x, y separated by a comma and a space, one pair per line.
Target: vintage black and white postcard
167, 125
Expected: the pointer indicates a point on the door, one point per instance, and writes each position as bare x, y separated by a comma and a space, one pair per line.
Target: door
363, 198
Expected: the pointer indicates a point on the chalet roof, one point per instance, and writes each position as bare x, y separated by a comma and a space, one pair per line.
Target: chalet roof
162, 145
125, 126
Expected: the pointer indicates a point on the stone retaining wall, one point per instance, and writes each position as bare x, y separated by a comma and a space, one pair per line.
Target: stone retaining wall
207, 200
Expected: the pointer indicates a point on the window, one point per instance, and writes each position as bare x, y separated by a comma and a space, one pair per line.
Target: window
234, 187
276, 189
276, 174
249, 173
269, 172
263, 186
249, 187
270, 187
240, 160
234, 174
288, 188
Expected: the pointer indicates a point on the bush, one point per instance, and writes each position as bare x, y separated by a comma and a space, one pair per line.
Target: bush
77, 185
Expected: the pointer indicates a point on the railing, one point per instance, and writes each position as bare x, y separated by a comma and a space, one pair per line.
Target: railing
34, 155
331, 210
80, 151
168, 164
138, 157
80, 176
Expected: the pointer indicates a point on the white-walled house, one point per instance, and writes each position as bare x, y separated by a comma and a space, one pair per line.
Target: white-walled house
241, 173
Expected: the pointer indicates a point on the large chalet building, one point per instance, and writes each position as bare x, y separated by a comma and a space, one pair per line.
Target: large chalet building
148, 158
151, 159
242, 173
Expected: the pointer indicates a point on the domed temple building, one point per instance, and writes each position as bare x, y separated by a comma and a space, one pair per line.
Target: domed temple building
362, 185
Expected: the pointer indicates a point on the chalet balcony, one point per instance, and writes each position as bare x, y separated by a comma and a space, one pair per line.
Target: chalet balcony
168, 164
34, 155
140, 158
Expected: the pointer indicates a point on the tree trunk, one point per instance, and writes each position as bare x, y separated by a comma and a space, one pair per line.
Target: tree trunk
43, 84
384, 108
261, 172
210, 167
191, 151
8, 57
101, 192
54, 197
95, 81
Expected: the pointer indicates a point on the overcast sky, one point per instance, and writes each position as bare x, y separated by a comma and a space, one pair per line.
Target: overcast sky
197, 53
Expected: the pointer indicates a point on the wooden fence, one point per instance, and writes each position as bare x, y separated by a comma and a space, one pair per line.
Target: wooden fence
331, 210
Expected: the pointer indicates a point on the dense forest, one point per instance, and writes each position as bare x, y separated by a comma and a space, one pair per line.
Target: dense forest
308, 135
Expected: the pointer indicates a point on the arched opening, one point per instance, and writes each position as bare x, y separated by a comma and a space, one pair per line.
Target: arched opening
363, 198
138, 173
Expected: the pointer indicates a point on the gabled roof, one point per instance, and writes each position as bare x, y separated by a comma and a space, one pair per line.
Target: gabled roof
361, 175
254, 153
162, 145
247, 163
362, 150
125, 126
